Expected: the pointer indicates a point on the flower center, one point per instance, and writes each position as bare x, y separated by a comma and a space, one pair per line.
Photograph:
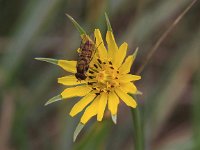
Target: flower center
102, 76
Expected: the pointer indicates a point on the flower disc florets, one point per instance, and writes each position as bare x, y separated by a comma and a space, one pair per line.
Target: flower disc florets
103, 77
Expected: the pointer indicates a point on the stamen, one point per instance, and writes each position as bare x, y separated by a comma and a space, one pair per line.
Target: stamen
91, 72
110, 62
99, 66
111, 67
93, 69
99, 61
90, 83
91, 77
95, 66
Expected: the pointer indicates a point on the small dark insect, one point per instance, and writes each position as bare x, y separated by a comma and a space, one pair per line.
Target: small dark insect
87, 50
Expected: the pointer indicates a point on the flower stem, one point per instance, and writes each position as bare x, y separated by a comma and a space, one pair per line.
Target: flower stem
138, 129
163, 37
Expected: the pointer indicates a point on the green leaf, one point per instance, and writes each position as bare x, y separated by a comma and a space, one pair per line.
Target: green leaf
78, 130
78, 27
108, 23
49, 60
53, 99
138, 128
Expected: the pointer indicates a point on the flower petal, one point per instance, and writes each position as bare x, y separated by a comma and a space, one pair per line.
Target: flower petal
128, 88
70, 80
81, 104
128, 78
112, 46
102, 106
128, 100
86, 38
90, 111
75, 91
100, 44
69, 66
120, 55
113, 101
126, 66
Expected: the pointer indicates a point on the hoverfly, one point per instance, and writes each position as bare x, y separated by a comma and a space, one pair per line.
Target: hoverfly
85, 54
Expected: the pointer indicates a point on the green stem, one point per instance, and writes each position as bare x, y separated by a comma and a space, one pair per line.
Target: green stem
163, 37
138, 129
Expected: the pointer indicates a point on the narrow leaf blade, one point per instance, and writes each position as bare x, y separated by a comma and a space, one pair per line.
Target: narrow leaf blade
49, 60
108, 23
78, 27
53, 99
78, 130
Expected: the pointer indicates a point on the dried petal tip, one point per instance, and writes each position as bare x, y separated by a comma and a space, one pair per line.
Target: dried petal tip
108, 22
77, 131
138, 92
114, 118
49, 60
78, 27
53, 99
135, 53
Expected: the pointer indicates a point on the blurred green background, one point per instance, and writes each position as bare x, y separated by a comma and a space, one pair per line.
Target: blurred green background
170, 103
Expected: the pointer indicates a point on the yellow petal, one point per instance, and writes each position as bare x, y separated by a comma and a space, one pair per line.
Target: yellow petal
90, 111
75, 91
100, 44
69, 80
128, 88
113, 101
128, 78
81, 104
128, 100
86, 38
126, 66
78, 50
69, 66
112, 46
102, 106
120, 55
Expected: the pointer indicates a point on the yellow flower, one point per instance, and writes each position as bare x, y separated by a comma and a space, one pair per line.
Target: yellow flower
108, 80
